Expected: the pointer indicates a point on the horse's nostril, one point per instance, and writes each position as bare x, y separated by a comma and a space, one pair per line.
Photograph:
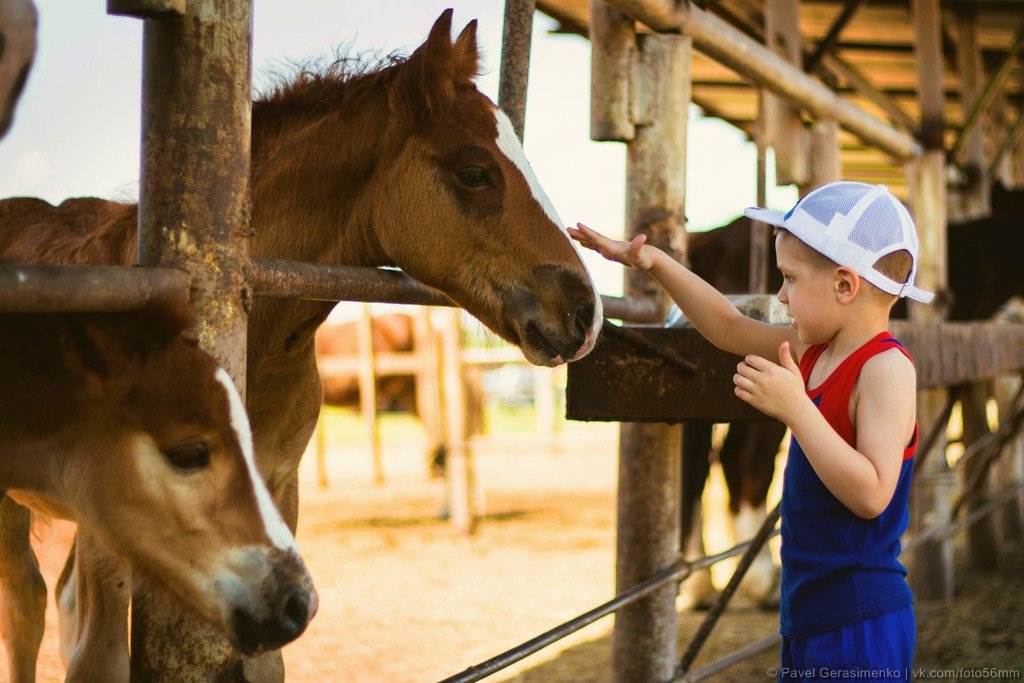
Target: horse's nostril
295, 612
584, 318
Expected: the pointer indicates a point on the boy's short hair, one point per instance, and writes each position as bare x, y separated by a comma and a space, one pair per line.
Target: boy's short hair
895, 266
858, 226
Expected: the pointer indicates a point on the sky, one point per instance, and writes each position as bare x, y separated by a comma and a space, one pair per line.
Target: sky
77, 129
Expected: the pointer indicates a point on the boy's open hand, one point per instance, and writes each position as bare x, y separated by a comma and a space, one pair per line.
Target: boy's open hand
632, 254
775, 390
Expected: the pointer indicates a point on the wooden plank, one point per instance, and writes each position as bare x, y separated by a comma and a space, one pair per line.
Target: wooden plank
619, 381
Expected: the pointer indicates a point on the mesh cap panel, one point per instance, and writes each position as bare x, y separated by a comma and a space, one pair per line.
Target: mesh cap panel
854, 224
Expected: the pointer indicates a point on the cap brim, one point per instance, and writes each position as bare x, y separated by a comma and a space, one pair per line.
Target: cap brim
776, 218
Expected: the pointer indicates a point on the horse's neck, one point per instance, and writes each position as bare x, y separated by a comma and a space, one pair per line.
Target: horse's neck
307, 210
311, 189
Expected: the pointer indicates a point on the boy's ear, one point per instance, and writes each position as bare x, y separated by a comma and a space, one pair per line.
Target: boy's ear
847, 284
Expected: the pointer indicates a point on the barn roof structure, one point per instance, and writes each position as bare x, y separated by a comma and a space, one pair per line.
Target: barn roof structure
864, 50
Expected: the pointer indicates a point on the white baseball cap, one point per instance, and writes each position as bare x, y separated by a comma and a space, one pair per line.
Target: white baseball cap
853, 224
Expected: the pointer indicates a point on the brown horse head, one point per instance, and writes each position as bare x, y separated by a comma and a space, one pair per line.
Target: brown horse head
431, 176
144, 437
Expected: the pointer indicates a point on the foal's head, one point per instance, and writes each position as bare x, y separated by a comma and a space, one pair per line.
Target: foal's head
165, 476
438, 185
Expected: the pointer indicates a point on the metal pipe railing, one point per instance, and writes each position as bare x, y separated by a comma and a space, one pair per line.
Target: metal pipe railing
35, 288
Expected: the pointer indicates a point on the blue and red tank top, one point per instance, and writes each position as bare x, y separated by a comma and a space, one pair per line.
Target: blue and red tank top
837, 568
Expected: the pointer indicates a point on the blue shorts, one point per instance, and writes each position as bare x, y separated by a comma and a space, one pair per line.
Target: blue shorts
880, 648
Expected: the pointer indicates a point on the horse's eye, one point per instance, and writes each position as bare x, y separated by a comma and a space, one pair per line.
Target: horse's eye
474, 176
189, 458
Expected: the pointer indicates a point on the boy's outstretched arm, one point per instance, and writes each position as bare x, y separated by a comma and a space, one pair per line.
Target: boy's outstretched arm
711, 313
883, 405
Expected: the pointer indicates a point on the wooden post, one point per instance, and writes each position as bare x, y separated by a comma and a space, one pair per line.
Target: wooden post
981, 535
1010, 467
612, 55
459, 462
368, 391
644, 642
544, 403
759, 234
193, 215
428, 382
824, 163
931, 571
972, 201
786, 132
999, 122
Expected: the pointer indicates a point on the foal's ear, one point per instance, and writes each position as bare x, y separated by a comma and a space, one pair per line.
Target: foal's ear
466, 55
437, 67
159, 322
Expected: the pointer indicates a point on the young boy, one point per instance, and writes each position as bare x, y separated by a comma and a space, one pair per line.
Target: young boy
846, 389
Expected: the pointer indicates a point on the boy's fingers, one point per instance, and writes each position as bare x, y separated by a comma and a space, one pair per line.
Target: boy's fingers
743, 382
758, 363
745, 370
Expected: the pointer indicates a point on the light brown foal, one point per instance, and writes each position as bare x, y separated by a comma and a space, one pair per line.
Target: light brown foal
121, 422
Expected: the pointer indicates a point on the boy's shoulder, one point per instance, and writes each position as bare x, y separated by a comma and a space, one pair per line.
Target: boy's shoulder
889, 370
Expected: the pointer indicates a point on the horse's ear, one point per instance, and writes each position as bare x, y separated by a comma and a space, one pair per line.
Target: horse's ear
436, 67
159, 322
467, 56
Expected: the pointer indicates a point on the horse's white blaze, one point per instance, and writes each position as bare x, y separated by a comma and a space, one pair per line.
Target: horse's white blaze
277, 531
508, 143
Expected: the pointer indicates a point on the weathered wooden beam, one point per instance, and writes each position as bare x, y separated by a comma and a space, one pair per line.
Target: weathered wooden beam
621, 381
785, 130
831, 39
992, 88
647, 539
727, 45
929, 63
971, 200
932, 573
612, 55
144, 9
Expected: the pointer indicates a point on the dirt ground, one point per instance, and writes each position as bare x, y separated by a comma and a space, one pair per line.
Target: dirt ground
402, 599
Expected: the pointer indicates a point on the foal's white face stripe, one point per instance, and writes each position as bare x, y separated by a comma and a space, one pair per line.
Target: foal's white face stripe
508, 143
277, 531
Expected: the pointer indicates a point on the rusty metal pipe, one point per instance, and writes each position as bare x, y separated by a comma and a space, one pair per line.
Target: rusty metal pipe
33, 288
318, 282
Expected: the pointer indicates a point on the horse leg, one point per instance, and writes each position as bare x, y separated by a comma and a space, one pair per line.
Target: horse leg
22, 593
102, 586
748, 462
696, 592
66, 593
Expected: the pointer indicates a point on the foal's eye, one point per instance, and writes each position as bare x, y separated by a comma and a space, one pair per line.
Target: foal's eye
189, 458
474, 176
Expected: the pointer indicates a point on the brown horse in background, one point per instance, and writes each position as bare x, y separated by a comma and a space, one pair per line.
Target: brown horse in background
406, 164
120, 422
984, 272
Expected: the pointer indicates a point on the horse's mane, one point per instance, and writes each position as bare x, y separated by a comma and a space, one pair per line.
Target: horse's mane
316, 87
